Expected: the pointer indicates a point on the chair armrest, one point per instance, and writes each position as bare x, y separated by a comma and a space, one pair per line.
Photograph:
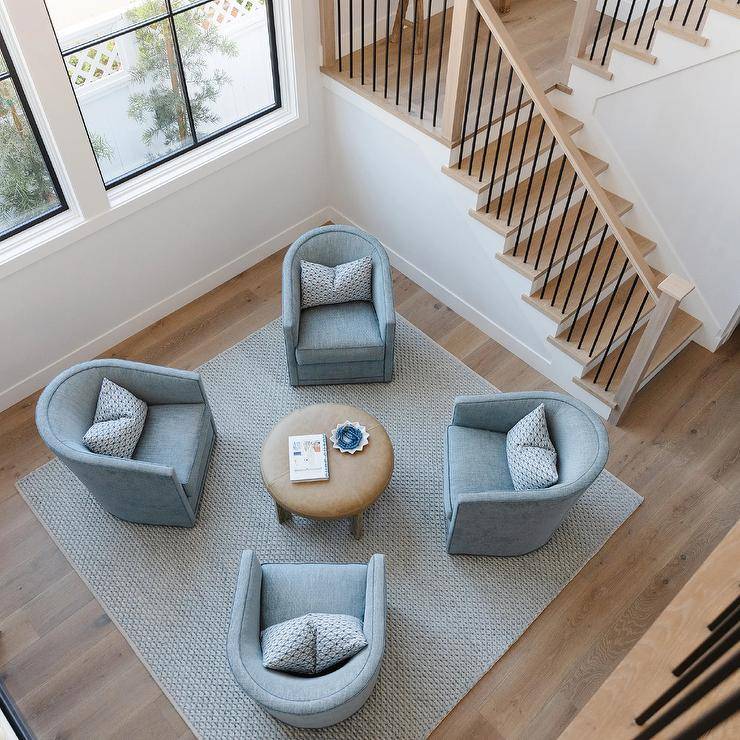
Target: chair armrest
375, 602
291, 299
243, 641
382, 291
482, 412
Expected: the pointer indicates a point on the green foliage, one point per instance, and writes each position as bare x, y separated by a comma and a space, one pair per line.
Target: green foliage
25, 186
161, 105
101, 147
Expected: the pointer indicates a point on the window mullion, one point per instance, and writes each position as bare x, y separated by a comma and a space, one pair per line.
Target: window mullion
29, 28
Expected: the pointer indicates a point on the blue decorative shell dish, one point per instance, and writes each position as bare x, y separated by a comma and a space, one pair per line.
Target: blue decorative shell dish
349, 437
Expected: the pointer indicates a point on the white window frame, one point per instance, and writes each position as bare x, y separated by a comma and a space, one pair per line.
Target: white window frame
41, 69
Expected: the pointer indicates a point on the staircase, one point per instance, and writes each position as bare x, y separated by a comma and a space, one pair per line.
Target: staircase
614, 317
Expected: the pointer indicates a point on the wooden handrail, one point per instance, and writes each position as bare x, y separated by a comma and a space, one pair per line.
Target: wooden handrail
672, 291
571, 151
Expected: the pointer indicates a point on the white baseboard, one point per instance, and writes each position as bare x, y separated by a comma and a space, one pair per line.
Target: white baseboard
148, 316
458, 304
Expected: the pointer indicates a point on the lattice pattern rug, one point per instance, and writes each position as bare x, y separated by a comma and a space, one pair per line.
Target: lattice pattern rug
449, 618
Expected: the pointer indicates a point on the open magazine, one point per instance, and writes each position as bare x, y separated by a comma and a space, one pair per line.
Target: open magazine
308, 458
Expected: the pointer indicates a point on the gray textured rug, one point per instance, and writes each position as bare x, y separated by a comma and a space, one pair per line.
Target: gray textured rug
449, 618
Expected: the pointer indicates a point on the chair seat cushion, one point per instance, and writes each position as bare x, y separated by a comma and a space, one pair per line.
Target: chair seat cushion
345, 332
476, 462
173, 435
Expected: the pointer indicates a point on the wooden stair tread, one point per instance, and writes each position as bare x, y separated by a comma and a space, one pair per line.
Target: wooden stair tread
499, 224
556, 311
679, 330
593, 324
474, 180
550, 232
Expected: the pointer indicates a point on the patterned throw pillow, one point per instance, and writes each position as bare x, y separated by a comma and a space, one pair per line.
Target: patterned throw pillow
118, 423
322, 285
530, 453
312, 643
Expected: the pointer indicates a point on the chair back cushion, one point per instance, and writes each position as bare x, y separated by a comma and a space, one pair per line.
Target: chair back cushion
312, 643
530, 452
118, 422
322, 285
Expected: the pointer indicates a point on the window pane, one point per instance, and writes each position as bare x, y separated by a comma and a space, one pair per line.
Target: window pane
78, 21
225, 47
27, 192
131, 96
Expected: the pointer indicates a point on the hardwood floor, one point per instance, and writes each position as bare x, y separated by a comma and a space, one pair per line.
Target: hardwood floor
74, 675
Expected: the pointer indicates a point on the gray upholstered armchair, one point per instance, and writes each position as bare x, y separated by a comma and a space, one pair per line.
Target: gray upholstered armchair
346, 342
275, 592
162, 483
484, 514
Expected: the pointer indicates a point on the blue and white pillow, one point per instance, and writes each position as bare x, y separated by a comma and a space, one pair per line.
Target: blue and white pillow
313, 643
118, 423
530, 453
322, 285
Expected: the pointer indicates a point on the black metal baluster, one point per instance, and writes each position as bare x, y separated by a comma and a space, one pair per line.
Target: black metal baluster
616, 328
598, 294
387, 45
563, 218
673, 11
500, 136
339, 32
642, 22
626, 340
480, 103
688, 12
553, 201
655, 20
588, 282
701, 15
508, 158
351, 39
398, 60
470, 87
598, 30
413, 55
426, 60
545, 175
570, 247
529, 187
609, 306
629, 19
439, 63
362, 42
521, 161
375, 41
490, 116
577, 268
611, 31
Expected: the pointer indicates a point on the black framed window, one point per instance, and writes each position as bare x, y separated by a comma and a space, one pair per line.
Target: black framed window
157, 78
29, 189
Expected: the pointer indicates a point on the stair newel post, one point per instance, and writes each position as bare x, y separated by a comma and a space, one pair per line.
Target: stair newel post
579, 31
328, 33
458, 67
671, 292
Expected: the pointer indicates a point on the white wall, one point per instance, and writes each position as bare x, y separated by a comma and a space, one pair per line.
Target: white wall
90, 294
677, 136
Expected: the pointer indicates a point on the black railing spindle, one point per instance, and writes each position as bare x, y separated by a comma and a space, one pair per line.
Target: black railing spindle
588, 282
502, 121
480, 103
413, 56
629, 19
351, 39
688, 12
339, 32
490, 116
398, 59
563, 218
701, 15
608, 307
616, 328
529, 188
611, 31
550, 210
473, 51
568, 251
642, 23
426, 61
439, 63
375, 41
655, 20
627, 339
387, 44
512, 137
545, 175
598, 31
598, 295
362, 42
521, 162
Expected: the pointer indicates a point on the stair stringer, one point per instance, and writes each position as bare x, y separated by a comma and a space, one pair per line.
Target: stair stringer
673, 55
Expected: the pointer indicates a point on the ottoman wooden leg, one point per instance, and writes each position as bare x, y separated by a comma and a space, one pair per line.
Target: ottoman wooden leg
358, 525
283, 515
